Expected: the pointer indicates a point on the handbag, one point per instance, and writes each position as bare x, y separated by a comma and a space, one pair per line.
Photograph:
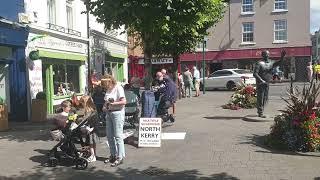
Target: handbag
57, 135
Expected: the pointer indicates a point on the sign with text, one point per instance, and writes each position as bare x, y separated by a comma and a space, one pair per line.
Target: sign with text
150, 132
35, 78
158, 61
49, 42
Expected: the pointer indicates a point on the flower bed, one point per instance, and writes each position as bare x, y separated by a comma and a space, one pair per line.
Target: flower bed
298, 127
244, 97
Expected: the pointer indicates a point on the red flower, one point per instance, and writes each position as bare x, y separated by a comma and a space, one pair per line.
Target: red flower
313, 116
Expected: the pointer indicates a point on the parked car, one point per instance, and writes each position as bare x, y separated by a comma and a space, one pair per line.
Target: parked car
229, 78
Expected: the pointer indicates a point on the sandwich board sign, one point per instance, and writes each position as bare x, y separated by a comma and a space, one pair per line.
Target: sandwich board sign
150, 132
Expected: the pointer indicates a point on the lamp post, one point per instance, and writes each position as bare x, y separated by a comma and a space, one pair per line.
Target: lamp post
203, 66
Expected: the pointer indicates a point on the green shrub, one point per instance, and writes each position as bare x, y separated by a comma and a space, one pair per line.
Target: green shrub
41, 95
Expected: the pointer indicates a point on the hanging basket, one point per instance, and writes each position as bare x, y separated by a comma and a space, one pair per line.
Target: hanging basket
34, 55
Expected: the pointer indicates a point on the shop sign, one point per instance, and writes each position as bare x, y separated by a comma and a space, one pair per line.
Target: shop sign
35, 78
158, 61
149, 132
49, 42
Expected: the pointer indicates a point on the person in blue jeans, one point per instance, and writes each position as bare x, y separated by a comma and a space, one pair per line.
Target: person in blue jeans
115, 102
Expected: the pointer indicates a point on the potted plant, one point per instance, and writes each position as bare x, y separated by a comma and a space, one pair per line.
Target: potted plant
3, 115
39, 108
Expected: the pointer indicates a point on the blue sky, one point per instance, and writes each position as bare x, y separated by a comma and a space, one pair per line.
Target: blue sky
315, 15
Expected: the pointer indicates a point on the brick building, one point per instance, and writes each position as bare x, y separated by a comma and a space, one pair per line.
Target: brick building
248, 27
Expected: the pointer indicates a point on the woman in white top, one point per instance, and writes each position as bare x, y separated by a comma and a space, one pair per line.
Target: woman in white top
114, 107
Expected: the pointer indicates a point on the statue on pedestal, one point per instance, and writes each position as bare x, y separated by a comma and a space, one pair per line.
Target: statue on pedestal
263, 74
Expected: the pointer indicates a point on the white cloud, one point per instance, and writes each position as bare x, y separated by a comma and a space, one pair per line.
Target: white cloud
315, 15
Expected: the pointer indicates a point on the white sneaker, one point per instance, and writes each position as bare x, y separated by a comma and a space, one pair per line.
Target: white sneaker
92, 159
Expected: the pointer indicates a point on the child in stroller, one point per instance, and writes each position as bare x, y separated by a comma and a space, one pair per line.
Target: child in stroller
69, 136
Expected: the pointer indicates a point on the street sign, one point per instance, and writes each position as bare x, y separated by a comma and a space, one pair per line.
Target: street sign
149, 132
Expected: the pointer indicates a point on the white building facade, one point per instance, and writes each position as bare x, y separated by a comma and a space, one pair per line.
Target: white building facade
109, 53
58, 47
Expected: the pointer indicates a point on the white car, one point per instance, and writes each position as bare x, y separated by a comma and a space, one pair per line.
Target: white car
229, 78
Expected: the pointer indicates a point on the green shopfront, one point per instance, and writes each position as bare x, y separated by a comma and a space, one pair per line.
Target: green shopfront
109, 55
60, 71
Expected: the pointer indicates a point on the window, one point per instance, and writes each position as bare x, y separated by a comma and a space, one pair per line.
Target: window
51, 4
242, 71
280, 30
247, 32
280, 4
221, 73
66, 79
247, 5
69, 15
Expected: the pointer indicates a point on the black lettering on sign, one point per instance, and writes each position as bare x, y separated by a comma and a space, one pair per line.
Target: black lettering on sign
1, 85
149, 128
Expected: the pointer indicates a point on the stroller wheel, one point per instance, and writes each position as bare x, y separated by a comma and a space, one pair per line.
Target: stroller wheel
81, 163
53, 162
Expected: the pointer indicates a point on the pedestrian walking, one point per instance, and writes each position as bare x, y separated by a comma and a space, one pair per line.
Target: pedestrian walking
309, 71
165, 75
187, 81
196, 75
114, 108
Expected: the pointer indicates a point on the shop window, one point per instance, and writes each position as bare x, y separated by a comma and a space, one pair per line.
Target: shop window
108, 68
65, 79
114, 69
73, 78
5, 52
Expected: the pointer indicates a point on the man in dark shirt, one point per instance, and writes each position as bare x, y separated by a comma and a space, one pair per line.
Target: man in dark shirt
167, 92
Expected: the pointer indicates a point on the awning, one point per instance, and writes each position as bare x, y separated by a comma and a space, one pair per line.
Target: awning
62, 55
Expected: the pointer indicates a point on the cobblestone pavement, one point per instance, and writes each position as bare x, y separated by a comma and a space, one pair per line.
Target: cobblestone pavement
218, 145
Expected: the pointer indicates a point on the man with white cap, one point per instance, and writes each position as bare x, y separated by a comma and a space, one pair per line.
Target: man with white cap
196, 75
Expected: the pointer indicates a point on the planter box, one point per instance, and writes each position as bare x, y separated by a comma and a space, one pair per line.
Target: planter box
38, 110
3, 118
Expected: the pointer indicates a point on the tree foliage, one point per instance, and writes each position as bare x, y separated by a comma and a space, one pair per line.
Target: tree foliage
187, 23
160, 25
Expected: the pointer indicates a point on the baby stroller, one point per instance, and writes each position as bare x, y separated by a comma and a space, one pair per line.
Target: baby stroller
162, 110
68, 148
131, 109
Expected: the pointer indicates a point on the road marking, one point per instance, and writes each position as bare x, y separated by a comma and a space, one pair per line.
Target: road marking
173, 136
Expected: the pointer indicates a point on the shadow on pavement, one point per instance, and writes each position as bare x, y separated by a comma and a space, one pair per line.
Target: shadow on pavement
224, 117
120, 173
22, 136
258, 140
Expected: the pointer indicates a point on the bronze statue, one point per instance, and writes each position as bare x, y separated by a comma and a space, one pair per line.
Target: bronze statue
263, 74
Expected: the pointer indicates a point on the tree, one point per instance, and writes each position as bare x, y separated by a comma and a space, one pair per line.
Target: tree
187, 23
142, 19
155, 23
